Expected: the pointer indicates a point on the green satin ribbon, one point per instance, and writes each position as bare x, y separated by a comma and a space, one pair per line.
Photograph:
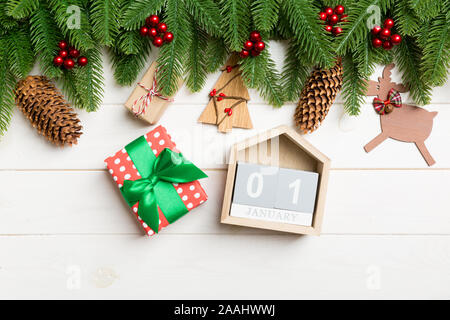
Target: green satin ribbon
155, 189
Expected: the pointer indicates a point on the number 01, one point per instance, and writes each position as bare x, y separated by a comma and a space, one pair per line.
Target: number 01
296, 186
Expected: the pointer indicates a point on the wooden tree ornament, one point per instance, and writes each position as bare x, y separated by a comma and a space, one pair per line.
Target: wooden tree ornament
407, 124
227, 107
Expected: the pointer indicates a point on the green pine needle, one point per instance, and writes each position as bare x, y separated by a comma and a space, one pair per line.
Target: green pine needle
44, 37
406, 19
20, 9
131, 42
354, 87
236, 18
295, 73
308, 32
21, 56
265, 13
105, 20
127, 67
408, 56
216, 54
7, 84
426, 9
172, 55
77, 31
205, 14
137, 11
196, 58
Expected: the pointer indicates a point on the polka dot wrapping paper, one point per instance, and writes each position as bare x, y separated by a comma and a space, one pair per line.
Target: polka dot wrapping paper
122, 168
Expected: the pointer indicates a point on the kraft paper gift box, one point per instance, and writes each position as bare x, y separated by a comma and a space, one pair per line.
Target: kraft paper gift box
153, 175
147, 92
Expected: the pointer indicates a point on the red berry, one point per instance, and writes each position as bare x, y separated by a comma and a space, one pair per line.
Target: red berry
396, 39
69, 63
387, 45
323, 16
222, 94
158, 42
63, 53
329, 11
230, 112
260, 46
152, 21
255, 53
328, 28
82, 61
244, 53
376, 30
340, 9
63, 45
229, 69
344, 18
168, 37
389, 23
74, 53
162, 27
144, 31
255, 36
58, 61
385, 34
152, 32
213, 93
337, 31
219, 99
333, 19
377, 43
248, 45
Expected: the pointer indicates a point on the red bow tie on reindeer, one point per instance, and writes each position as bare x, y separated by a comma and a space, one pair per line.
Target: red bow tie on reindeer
399, 121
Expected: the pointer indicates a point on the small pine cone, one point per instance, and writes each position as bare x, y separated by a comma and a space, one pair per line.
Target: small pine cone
318, 96
45, 107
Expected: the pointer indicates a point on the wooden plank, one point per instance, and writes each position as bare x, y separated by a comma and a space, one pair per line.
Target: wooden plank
358, 202
200, 267
113, 127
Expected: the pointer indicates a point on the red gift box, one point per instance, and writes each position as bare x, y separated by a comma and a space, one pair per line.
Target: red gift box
122, 168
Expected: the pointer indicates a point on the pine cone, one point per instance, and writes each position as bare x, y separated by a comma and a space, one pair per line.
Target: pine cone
318, 96
45, 107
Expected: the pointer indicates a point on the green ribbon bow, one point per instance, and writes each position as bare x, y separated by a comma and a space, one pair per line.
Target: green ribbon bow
155, 189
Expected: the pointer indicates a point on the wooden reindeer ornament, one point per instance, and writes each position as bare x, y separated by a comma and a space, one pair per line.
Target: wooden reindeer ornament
227, 107
399, 121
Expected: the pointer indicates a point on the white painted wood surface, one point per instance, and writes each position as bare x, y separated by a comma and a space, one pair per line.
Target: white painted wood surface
65, 232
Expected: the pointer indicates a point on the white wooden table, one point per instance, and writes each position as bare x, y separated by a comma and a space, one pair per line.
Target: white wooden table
65, 231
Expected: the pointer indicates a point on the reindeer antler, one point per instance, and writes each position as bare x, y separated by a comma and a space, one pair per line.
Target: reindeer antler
384, 84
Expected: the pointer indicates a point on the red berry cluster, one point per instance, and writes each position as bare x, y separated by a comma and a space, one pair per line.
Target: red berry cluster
67, 55
156, 30
332, 17
253, 46
384, 37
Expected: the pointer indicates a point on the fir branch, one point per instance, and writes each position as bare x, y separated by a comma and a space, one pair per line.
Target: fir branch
127, 67
196, 59
7, 84
6, 22
408, 56
405, 17
216, 54
365, 57
21, 56
20, 9
105, 20
265, 13
89, 82
236, 18
205, 13
138, 10
426, 9
65, 15
308, 33
271, 89
354, 87
253, 71
356, 30
295, 73
44, 37
172, 55
131, 42
436, 52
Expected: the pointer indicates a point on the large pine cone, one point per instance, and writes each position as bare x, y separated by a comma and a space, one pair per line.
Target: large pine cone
318, 96
45, 107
